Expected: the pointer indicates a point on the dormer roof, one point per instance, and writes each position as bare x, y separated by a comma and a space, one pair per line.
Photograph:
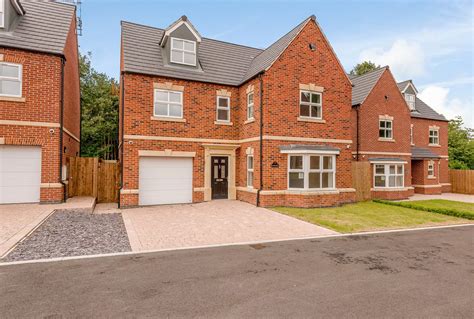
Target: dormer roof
43, 26
178, 23
405, 85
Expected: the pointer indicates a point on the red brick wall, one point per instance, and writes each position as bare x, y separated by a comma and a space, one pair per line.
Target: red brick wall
375, 105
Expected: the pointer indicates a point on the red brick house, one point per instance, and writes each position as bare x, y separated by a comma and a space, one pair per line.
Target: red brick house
203, 119
403, 138
39, 99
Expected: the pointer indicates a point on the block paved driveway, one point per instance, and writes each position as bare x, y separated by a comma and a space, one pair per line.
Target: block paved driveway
211, 223
16, 221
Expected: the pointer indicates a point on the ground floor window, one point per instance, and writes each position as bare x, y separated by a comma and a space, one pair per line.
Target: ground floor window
431, 172
388, 175
250, 170
311, 171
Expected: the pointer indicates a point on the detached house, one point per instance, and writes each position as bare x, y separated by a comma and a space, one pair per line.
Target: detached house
39, 99
203, 119
404, 139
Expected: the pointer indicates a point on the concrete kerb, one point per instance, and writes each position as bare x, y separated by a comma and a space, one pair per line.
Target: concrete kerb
231, 244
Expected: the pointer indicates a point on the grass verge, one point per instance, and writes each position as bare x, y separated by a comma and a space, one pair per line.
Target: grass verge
439, 206
367, 216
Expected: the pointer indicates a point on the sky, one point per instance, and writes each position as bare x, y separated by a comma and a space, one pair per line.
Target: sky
430, 42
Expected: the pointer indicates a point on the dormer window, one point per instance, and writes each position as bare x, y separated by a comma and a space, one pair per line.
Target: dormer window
410, 98
183, 51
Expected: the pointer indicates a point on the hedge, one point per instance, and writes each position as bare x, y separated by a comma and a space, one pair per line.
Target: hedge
450, 212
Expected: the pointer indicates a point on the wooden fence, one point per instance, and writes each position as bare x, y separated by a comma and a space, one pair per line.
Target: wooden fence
361, 180
90, 176
462, 181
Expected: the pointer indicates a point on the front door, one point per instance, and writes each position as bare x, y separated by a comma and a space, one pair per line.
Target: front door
220, 172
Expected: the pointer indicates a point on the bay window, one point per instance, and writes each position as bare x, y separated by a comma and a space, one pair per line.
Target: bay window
311, 171
388, 175
10, 79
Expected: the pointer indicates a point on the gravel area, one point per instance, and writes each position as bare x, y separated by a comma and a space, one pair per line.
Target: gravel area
73, 233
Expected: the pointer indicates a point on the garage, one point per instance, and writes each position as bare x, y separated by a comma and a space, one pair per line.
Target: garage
20, 174
165, 180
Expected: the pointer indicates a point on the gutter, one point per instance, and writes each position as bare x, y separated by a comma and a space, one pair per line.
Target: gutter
121, 131
61, 131
261, 138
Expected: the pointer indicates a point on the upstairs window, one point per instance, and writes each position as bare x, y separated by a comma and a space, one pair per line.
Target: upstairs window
250, 106
434, 136
411, 135
10, 79
223, 109
311, 171
385, 129
183, 51
388, 175
410, 98
2, 14
168, 104
311, 105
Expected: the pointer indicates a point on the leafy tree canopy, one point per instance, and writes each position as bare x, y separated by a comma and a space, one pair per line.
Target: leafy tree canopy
460, 145
363, 68
99, 120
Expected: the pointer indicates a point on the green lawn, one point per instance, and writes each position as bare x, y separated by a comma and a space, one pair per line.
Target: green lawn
366, 216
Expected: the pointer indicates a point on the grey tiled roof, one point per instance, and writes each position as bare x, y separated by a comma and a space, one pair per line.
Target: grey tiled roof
386, 159
363, 84
420, 153
44, 27
302, 147
221, 62
402, 85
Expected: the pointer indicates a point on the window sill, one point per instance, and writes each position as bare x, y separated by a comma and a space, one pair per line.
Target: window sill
389, 189
168, 119
12, 99
391, 140
249, 121
431, 177
223, 123
434, 145
308, 119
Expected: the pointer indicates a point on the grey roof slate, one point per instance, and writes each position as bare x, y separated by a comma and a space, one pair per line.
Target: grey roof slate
402, 85
303, 147
221, 62
44, 27
386, 159
363, 84
421, 153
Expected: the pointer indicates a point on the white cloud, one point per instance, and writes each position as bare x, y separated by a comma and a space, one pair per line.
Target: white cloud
438, 98
406, 59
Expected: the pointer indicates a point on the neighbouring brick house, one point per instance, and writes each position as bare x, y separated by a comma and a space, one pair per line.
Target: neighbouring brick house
203, 119
403, 138
39, 99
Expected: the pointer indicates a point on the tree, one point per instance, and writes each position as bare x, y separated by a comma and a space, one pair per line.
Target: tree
364, 67
99, 119
460, 145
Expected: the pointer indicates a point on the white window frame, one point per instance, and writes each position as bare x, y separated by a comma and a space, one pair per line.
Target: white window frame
182, 51
250, 106
385, 129
434, 136
387, 174
431, 169
250, 171
16, 79
310, 104
411, 135
223, 108
168, 102
2, 13
306, 170
410, 99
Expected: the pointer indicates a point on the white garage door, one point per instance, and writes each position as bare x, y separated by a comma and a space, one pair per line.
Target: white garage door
20, 174
165, 180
